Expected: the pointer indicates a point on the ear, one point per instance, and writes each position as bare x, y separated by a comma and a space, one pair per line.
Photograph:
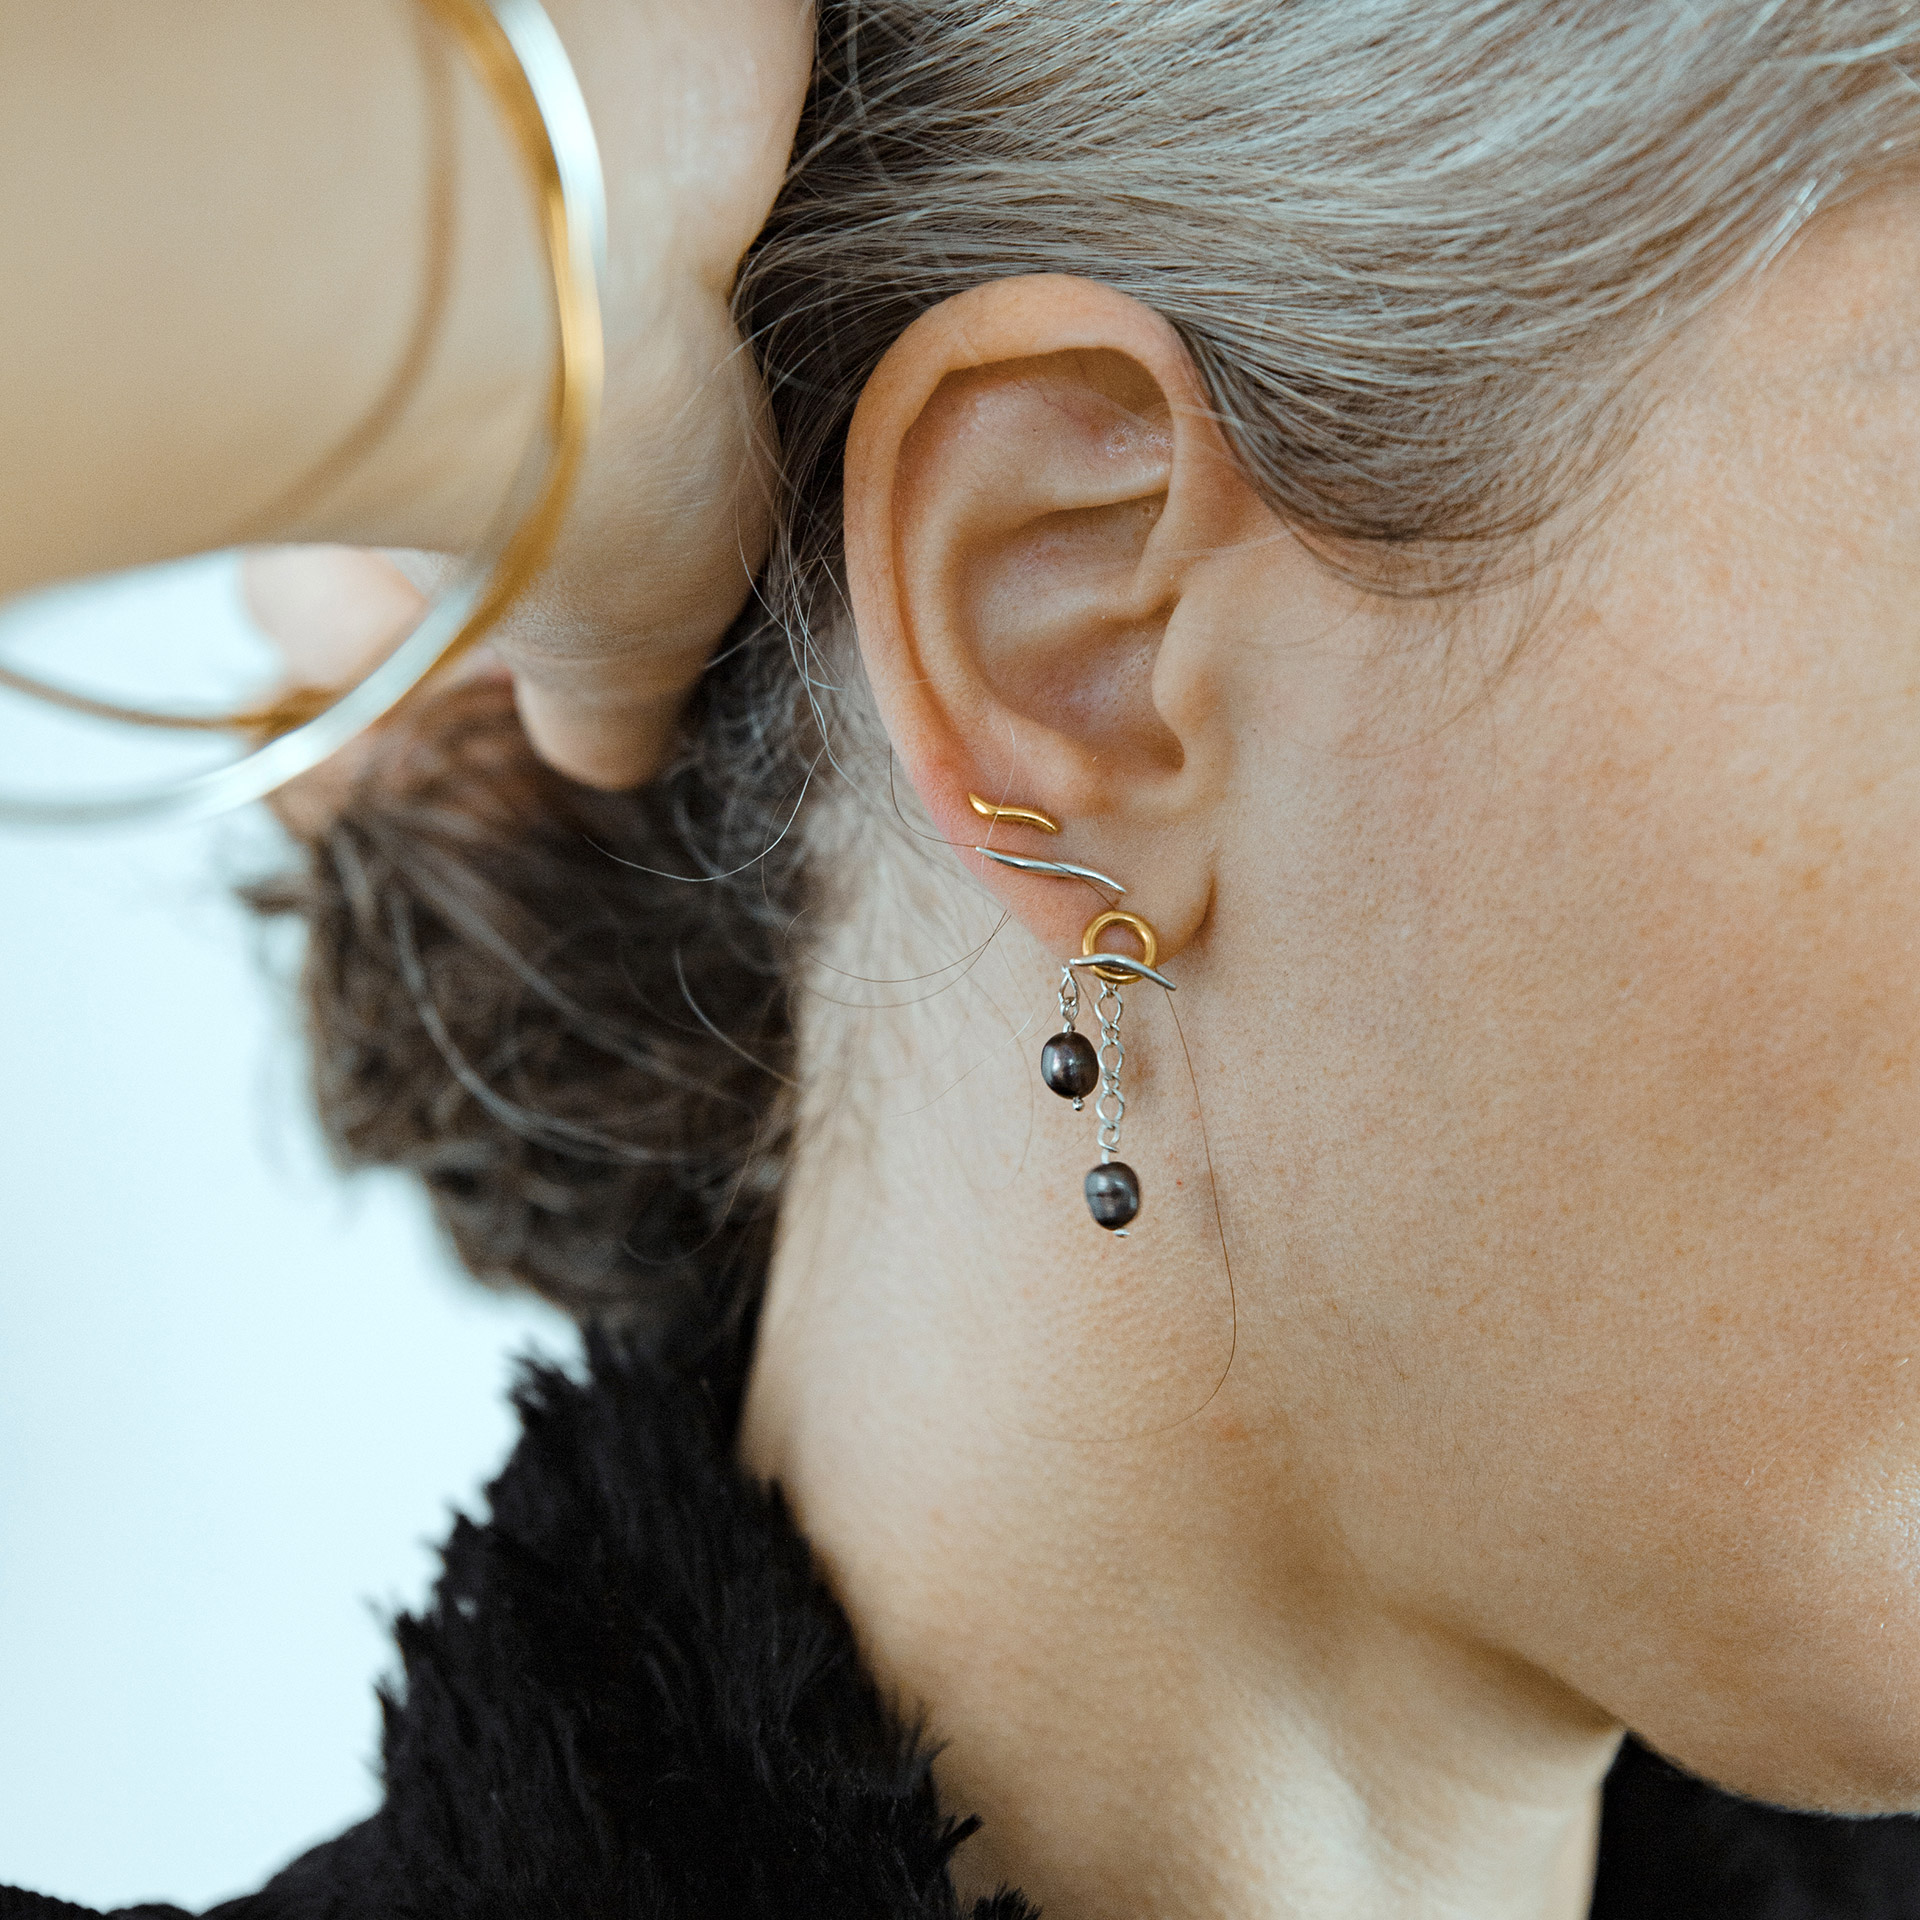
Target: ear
1044, 529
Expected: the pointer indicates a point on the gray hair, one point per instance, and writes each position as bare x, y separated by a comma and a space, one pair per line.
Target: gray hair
1418, 248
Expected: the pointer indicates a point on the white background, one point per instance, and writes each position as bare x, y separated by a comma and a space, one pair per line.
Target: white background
238, 1395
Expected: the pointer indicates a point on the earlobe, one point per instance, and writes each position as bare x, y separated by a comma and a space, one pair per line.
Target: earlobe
1035, 495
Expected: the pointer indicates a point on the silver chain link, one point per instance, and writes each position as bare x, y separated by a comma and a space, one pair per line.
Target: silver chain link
1070, 1014
1110, 1094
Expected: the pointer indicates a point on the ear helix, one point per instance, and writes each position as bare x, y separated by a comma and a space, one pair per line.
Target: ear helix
1070, 1064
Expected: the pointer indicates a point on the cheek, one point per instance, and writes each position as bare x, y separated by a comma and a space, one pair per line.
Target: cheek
1755, 1147
1669, 1307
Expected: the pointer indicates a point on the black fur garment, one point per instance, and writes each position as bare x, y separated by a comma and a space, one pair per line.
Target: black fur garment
632, 1698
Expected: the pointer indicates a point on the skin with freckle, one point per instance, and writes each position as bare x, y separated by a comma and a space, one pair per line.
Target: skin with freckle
1552, 1034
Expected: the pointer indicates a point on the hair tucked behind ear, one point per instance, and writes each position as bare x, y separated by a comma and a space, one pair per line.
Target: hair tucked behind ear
1420, 251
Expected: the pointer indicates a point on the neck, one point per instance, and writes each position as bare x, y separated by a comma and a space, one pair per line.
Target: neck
1105, 1560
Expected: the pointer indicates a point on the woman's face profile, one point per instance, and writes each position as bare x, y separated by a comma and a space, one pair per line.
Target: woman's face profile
1629, 993
1554, 1033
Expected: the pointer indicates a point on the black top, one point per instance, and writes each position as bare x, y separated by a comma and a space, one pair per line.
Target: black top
630, 1696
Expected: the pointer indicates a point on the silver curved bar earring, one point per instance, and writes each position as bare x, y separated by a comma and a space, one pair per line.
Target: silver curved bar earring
1070, 1064
1060, 869
1108, 965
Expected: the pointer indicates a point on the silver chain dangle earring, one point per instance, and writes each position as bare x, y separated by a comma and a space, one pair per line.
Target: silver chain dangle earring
1070, 1064
1113, 1188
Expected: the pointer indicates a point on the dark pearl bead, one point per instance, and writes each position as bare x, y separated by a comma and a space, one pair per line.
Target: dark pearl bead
1113, 1194
1070, 1065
